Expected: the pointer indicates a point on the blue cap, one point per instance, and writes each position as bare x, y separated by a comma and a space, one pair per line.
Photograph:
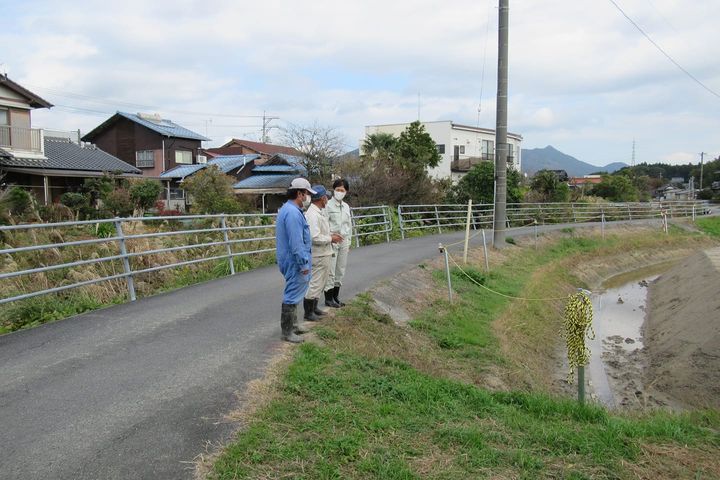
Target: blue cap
319, 192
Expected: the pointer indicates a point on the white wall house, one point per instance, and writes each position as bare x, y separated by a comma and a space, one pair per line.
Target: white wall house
461, 146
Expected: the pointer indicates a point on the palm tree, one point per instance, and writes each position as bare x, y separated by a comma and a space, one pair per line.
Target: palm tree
379, 146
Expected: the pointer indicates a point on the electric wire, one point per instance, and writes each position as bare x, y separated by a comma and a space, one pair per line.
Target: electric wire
482, 75
113, 102
667, 55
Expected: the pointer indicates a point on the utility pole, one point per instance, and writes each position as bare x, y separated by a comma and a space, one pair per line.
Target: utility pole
501, 147
702, 161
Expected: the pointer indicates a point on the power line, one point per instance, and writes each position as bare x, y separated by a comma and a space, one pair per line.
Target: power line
667, 55
88, 111
113, 102
482, 76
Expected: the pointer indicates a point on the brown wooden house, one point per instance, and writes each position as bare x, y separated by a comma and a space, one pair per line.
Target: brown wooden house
238, 146
148, 142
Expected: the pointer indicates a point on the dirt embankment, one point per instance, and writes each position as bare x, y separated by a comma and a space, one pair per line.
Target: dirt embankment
682, 331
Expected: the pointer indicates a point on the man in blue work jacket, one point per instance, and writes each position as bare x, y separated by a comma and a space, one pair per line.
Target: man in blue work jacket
293, 242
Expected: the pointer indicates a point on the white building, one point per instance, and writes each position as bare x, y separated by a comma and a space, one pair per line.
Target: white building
461, 147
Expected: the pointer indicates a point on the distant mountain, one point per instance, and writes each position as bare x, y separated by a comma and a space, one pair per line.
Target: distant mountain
549, 158
613, 167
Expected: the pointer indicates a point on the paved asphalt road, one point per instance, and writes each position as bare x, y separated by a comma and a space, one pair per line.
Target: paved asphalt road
135, 391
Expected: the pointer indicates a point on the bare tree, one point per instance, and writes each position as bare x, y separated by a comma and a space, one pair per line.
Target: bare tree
319, 146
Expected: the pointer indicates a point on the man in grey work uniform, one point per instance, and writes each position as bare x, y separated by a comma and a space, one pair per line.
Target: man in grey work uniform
340, 218
322, 251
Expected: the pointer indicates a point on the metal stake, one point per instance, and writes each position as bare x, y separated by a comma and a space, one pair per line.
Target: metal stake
467, 232
487, 264
447, 271
125, 260
581, 384
602, 225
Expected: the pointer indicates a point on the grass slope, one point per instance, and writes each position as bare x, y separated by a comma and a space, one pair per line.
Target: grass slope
375, 400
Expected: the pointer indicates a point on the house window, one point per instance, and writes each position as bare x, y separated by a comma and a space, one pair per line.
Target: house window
440, 148
183, 156
487, 149
462, 150
4, 116
145, 159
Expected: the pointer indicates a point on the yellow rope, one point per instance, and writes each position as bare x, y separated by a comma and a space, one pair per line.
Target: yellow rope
480, 232
503, 294
463, 240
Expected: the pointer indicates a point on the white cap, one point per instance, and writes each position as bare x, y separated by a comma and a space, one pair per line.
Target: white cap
301, 184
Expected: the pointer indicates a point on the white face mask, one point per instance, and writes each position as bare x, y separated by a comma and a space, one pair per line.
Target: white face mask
306, 201
339, 195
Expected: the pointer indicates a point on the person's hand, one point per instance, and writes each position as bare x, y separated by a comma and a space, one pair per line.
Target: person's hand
337, 238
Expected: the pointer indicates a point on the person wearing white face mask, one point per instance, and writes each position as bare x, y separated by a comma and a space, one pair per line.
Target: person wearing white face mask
340, 218
294, 255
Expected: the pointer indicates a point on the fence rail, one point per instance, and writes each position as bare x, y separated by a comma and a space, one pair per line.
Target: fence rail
136, 245
442, 217
126, 249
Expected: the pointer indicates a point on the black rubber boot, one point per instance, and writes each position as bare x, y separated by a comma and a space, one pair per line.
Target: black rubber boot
316, 308
287, 323
336, 292
330, 300
309, 306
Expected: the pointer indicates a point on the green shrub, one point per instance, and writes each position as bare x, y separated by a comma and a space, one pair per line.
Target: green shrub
119, 203
18, 201
144, 193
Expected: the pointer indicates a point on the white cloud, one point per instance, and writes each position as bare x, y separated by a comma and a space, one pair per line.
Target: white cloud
681, 158
581, 77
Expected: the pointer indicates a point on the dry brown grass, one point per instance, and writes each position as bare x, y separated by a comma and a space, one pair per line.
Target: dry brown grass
675, 462
528, 331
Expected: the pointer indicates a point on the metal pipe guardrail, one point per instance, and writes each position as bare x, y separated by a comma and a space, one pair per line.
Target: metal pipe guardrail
437, 217
222, 236
225, 237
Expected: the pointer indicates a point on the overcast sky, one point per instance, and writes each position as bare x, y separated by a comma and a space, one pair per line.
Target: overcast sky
582, 78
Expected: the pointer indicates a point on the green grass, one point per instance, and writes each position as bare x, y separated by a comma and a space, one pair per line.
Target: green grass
48, 308
345, 416
710, 225
368, 403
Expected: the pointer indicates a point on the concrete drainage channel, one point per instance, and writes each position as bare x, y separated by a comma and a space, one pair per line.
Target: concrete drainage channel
657, 336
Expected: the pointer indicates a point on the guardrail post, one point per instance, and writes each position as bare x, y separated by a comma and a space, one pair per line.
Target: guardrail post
388, 222
354, 228
227, 244
400, 222
437, 219
572, 209
693, 212
125, 259
629, 212
602, 224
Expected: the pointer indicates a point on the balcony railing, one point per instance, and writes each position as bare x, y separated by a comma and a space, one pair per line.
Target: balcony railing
20, 138
464, 164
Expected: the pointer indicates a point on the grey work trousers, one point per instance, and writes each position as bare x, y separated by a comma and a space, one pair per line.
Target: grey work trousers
337, 268
319, 277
